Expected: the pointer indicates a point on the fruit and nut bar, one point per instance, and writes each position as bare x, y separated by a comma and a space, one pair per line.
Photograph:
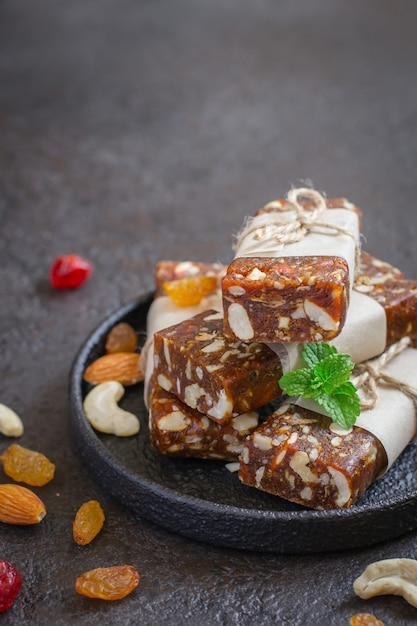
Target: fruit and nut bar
177, 430
273, 300
301, 456
373, 271
382, 310
398, 298
298, 291
218, 376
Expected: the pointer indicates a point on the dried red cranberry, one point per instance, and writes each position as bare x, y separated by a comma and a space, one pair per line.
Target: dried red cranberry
10, 583
70, 271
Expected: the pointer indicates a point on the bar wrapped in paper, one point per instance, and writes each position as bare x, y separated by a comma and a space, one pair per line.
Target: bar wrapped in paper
293, 272
164, 312
301, 455
383, 309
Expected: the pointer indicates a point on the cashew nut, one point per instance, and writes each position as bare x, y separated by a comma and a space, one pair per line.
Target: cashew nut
105, 415
389, 576
10, 423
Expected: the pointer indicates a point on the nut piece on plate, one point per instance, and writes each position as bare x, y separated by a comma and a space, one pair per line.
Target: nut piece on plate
105, 415
121, 338
124, 367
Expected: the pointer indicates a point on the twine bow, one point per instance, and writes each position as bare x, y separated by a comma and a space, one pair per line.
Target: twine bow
301, 218
370, 373
299, 221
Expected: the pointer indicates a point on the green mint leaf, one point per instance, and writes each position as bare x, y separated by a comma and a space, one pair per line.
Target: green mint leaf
316, 385
313, 353
297, 383
348, 389
325, 380
341, 407
333, 371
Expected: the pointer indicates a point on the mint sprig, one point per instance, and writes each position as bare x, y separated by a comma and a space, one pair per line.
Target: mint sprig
326, 381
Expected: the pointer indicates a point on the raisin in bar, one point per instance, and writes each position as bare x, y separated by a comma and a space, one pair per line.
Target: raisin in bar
302, 456
218, 376
168, 271
293, 270
177, 430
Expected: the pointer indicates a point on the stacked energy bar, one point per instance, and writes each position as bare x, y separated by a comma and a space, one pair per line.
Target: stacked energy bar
298, 276
199, 395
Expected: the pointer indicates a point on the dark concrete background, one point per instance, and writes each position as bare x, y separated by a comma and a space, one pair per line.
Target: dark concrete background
135, 131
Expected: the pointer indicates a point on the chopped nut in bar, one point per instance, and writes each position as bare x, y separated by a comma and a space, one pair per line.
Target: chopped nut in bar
218, 376
177, 430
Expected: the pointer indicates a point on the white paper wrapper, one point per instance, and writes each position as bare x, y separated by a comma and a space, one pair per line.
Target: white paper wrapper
163, 313
363, 336
393, 420
320, 242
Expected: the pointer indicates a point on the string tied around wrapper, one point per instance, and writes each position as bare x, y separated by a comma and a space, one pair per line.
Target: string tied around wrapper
301, 219
370, 373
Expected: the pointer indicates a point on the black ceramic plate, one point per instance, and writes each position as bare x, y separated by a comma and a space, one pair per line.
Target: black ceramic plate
205, 501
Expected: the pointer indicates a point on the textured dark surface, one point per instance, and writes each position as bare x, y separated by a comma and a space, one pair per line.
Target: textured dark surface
132, 131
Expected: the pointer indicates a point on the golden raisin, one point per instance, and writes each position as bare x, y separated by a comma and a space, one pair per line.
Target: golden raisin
27, 466
88, 522
108, 583
365, 619
121, 338
189, 291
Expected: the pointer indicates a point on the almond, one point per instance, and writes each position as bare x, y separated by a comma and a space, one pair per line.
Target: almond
124, 367
19, 505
